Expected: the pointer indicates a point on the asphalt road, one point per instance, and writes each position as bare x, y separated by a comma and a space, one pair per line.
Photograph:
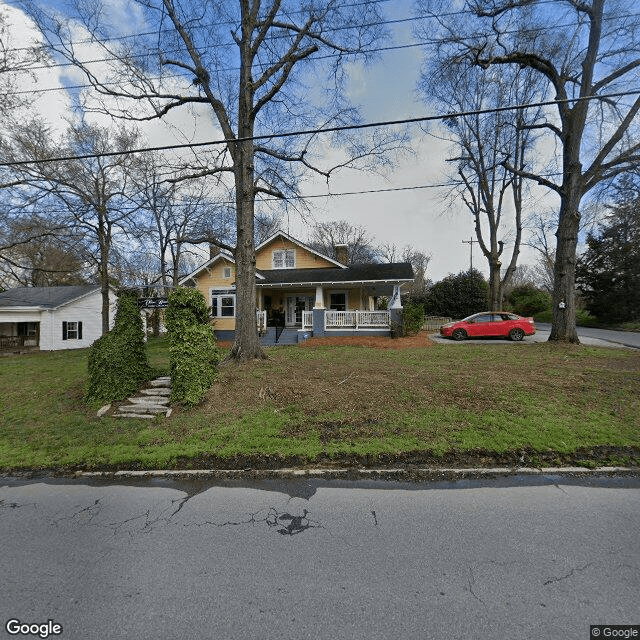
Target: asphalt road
596, 337
496, 559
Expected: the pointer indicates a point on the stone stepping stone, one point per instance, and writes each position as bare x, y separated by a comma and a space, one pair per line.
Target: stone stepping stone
160, 382
157, 391
103, 410
143, 408
148, 403
148, 400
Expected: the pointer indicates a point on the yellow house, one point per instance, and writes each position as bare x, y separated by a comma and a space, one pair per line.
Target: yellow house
301, 292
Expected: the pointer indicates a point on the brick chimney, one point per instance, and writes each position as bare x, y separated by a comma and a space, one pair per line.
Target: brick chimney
214, 250
342, 253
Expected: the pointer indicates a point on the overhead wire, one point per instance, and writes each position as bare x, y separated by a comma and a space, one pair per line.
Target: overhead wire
373, 50
307, 132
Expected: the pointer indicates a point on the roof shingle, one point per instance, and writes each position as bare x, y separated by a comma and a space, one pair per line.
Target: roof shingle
46, 297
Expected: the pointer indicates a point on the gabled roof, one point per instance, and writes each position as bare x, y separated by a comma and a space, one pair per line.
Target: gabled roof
282, 234
204, 267
391, 273
44, 297
260, 275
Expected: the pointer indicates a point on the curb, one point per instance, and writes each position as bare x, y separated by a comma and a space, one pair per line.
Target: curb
412, 474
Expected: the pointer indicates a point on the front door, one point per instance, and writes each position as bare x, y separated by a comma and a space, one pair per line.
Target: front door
295, 306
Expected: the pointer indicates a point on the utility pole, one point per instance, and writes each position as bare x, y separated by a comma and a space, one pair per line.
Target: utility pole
470, 242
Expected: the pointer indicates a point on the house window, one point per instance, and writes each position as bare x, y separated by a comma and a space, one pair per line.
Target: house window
28, 329
223, 303
284, 259
226, 273
338, 301
72, 330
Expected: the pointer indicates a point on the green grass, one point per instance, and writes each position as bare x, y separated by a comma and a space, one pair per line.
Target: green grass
326, 403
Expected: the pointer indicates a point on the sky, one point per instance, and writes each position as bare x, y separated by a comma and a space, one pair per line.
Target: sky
418, 217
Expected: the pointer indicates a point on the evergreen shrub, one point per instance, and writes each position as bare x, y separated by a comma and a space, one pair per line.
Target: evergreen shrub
412, 317
193, 354
458, 296
527, 300
117, 362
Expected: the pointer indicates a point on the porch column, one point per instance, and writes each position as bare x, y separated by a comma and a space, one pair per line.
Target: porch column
319, 298
395, 312
395, 302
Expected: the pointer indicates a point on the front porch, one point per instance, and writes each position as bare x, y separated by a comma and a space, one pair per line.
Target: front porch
325, 322
18, 337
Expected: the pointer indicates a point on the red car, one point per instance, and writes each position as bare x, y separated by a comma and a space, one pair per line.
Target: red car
490, 323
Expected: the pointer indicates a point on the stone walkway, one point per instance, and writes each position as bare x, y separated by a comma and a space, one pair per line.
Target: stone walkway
147, 403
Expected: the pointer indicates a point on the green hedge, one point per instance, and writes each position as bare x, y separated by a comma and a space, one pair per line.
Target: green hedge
412, 317
193, 354
117, 362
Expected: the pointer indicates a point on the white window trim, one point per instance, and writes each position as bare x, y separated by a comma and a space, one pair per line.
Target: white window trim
221, 292
69, 333
284, 258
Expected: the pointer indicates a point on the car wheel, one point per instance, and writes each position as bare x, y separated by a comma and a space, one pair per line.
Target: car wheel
516, 335
459, 334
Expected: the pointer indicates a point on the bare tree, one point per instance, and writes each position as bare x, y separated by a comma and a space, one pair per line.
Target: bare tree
40, 253
360, 247
16, 60
282, 68
89, 189
590, 58
419, 261
169, 212
483, 142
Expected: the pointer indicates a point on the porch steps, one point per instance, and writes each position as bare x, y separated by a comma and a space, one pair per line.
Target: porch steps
287, 337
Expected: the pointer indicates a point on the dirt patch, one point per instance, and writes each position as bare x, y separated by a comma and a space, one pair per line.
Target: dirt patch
377, 342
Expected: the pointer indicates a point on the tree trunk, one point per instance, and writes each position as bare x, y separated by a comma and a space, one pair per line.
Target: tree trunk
104, 242
564, 272
246, 345
495, 285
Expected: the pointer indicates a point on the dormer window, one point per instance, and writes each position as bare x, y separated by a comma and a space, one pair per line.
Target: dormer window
284, 259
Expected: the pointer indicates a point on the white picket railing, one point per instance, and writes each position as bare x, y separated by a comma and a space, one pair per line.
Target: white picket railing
307, 319
356, 319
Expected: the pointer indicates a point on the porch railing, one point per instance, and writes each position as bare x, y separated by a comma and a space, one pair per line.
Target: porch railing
261, 319
356, 319
307, 319
14, 342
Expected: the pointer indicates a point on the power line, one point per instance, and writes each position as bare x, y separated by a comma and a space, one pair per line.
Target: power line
313, 196
208, 26
373, 24
306, 132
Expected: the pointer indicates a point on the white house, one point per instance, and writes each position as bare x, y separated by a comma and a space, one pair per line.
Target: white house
52, 318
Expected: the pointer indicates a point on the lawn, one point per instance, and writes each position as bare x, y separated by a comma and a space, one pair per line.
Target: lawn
473, 404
